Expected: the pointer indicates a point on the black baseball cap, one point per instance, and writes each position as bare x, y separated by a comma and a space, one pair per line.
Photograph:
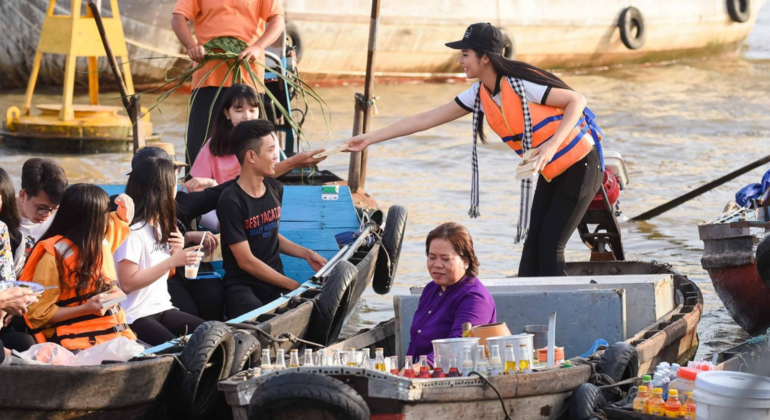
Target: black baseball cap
158, 150
480, 35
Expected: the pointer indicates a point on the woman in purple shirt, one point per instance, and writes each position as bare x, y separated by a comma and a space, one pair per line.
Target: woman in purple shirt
455, 296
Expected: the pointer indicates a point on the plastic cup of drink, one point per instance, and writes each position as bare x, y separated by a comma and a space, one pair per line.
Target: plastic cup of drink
191, 271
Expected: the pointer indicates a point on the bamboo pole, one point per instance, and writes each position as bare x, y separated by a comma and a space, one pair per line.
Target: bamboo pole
354, 172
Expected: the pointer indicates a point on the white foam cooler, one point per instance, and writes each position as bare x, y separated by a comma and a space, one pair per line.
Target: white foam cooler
723, 395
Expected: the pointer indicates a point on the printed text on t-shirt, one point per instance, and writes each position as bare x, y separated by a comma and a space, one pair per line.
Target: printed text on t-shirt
263, 223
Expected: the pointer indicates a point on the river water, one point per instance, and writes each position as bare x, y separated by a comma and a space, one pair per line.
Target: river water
678, 125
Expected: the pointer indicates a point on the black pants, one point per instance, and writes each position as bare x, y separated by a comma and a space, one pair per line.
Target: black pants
159, 328
202, 298
557, 208
241, 298
200, 111
16, 340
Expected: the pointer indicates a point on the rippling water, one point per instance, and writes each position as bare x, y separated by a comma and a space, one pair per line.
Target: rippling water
677, 125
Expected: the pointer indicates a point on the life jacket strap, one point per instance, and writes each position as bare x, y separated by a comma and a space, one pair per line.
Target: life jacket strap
91, 334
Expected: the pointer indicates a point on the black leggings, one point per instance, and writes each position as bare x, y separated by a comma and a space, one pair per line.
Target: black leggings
16, 340
168, 325
202, 298
557, 208
200, 110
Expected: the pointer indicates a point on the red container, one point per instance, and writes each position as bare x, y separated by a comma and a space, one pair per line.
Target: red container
613, 191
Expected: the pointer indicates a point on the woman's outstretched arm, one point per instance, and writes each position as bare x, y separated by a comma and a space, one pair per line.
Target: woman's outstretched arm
414, 124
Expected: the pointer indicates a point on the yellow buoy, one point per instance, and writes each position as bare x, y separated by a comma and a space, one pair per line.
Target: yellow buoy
69, 127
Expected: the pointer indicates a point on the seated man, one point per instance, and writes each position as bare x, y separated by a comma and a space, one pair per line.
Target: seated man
43, 183
249, 213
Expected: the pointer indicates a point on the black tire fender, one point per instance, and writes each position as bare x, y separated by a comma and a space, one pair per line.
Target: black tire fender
739, 10
763, 260
620, 361
206, 359
388, 256
585, 401
294, 38
332, 304
631, 18
306, 396
247, 352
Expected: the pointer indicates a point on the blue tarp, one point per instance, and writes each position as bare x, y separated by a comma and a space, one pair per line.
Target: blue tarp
753, 191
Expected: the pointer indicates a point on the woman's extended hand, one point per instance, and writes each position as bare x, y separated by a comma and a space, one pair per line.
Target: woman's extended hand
209, 244
187, 256
316, 261
125, 208
15, 300
357, 144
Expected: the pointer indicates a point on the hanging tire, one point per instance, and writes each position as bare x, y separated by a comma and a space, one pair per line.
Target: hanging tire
631, 18
247, 352
306, 396
293, 38
387, 258
332, 304
763, 260
739, 10
585, 401
207, 359
620, 361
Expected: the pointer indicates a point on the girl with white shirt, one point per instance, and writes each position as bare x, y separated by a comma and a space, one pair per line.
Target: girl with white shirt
152, 250
543, 120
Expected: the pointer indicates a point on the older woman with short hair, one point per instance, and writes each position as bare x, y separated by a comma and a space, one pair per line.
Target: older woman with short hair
455, 296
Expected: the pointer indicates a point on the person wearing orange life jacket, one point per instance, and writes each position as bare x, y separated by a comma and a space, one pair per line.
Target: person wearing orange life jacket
530, 109
75, 256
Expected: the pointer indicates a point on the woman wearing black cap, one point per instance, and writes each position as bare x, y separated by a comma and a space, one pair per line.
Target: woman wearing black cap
542, 119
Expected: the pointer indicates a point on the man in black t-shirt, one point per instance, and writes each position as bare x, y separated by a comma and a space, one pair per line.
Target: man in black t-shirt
249, 214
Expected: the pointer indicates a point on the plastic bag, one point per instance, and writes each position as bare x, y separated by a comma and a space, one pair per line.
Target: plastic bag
50, 354
120, 349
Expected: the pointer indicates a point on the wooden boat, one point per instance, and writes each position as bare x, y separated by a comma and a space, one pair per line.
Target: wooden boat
152, 385
540, 395
332, 40
729, 256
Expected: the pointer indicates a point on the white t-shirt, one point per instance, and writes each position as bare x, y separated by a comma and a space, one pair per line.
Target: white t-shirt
535, 93
35, 230
141, 248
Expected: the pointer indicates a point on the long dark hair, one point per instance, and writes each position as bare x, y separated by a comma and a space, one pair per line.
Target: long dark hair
519, 70
82, 218
236, 95
151, 186
9, 214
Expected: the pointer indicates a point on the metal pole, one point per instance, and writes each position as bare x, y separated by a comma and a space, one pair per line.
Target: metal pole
374, 26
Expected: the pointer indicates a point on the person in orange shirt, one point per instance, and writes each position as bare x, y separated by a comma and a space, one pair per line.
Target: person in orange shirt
258, 23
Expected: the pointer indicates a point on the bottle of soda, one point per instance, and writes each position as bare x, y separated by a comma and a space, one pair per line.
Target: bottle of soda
280, 360
495, 362
379, 359
294, 358
640, 402
453, 371
510, 360
655, 405
366, 362
408, 367
351, 358
467, 361
320, 357
424, 368
394, 365
688, 408
438, 372
482, 366
673, 408
524, 355
307, 360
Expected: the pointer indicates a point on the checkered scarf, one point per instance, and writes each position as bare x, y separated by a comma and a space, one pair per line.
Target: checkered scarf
522, 227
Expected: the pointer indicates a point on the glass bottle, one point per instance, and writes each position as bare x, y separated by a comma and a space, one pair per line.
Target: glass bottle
495, 362
265, 365
394, 365
524, 366
366, 361
336, 360
482, 366
280, 359
424, 368
510, 360
351, 358
672, 407
438, 372
453, 371
467, 361
655, 405
379, 359
294, 358
640, 402
307, 359
467, 329
320, 357
408, 367
688, 408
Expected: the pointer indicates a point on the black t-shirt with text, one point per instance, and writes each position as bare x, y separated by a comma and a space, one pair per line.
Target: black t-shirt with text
256, 220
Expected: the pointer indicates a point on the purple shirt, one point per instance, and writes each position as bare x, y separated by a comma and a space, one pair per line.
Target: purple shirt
441, 314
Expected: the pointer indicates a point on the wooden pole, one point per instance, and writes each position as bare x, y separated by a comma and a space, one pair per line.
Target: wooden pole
138, 126
354, 172
374, 26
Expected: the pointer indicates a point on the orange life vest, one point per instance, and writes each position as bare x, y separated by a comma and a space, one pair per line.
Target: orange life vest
82, 332
508, 122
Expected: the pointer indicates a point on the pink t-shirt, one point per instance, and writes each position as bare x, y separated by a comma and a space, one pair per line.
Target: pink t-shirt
219, 168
